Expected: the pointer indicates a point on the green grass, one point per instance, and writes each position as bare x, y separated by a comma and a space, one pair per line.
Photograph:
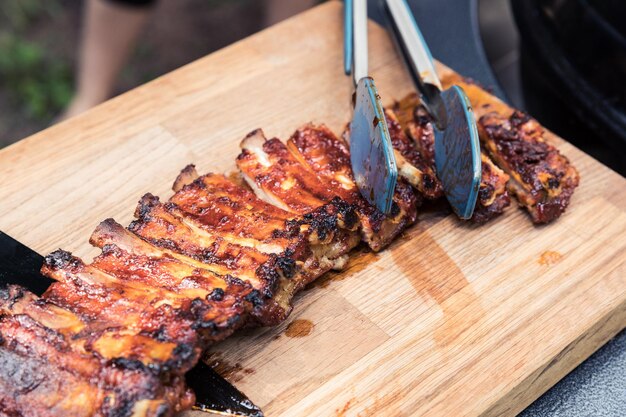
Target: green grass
36, 81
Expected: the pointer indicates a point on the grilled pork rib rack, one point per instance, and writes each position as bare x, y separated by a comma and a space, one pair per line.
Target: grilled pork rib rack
115, 337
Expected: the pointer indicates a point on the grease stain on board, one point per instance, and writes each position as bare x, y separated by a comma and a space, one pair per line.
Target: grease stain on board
341, 412
549, 257
429, 269
299, 328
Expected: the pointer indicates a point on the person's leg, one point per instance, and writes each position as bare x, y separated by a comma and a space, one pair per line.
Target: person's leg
109, 34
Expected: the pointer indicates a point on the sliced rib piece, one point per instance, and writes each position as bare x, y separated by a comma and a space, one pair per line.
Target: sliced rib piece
271, 275
258, 294
278, 178
225, 209
228, 297
220, 206
157, 225
309, 244
493, 197
314, 171
45, 369
231, 211
110, 232
417, 124
416, 168
152, 327
542, 179
210, 306
300, 249
327, 157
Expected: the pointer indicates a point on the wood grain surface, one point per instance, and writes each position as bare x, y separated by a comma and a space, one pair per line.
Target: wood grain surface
451, 320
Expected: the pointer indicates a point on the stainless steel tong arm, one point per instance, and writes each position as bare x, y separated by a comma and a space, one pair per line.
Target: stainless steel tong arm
359, 19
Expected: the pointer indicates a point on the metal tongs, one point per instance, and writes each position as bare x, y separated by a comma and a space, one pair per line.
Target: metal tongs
457, 148
371, 153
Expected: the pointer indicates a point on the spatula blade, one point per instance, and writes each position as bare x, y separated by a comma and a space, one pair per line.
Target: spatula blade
371, 152
457, 153
19, 264
215, 395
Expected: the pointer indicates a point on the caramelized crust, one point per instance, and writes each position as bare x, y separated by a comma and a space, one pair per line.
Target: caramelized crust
542, 179
417, 124
294, 248
318, 149
219, 206
278, 178
47, 368
416, 168
493, 197
261, 291
156, 225
227, 296
155, 322
328, 158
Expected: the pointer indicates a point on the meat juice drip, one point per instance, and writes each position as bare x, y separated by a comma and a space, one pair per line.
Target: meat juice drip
549, 257
426, 269
299, 328
341, 412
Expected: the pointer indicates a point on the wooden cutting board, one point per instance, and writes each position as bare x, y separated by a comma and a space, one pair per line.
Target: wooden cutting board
451, 320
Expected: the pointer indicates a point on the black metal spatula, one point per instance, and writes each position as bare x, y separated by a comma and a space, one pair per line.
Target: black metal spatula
20, 265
